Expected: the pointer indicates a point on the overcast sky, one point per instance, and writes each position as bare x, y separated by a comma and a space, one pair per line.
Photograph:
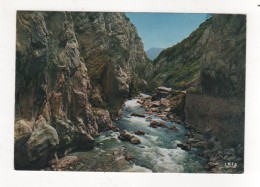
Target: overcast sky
164, 29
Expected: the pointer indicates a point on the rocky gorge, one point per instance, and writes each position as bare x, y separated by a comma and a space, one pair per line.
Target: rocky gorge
70, 80
210, 66
80, 79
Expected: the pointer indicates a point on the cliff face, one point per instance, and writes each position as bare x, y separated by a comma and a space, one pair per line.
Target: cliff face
69, 67
74, 71
212, 61
223, 60
220, 107
179, 66
213, 55
113, 53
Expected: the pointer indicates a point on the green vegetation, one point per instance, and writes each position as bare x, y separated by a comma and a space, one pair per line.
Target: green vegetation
133, 90
179, 66
181, 47
148, 60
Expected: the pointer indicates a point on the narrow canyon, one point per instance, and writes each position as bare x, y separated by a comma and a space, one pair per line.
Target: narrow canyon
87, 97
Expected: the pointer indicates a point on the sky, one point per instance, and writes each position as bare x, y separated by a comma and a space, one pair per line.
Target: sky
162, 30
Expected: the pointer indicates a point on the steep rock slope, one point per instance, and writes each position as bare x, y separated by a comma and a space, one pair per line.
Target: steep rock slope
220, 106
224, 55
59, 103
212, 61
113, 53
179, 66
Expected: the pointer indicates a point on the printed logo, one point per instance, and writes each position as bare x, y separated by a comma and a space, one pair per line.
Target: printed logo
230, 165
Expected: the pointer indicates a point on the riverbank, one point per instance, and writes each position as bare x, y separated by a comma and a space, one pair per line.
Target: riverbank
171, 105
158, 150
153, 136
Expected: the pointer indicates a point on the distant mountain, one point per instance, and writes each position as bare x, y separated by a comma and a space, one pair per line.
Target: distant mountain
153, 52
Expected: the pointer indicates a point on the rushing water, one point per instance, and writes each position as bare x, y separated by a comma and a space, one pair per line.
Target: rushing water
158, 151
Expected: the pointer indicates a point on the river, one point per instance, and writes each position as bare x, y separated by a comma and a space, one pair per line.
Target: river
157, 152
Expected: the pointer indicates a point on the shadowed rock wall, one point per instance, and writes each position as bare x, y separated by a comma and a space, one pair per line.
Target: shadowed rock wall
219, 109
71, 68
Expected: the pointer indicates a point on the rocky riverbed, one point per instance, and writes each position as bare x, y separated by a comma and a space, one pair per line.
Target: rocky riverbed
76, 70
151, 138
136, 147
169, 105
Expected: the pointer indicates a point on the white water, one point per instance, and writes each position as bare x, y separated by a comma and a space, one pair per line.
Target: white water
157, 152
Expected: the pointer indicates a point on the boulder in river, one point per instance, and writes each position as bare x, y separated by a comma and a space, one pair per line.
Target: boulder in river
155, 124
167, 110
162, 124
161, 92
140, 132
138, 115
174, 128
155, 104
154, 109
149, 118
161, 115
184, 146
149, 112
125, 136
140, 102
135, 140
115, 129
147, 103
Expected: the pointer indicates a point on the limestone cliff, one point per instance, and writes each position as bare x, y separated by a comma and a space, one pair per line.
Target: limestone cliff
224, 55
70, 68
212, 61
113, 53
220, 107
213, 57
179, 66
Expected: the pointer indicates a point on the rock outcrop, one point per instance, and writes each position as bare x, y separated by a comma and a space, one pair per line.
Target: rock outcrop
75, 70
114, 55
167, 104
127, 136
179, 66
210, 65
223, 59
213, 56
71, 68
220, 106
